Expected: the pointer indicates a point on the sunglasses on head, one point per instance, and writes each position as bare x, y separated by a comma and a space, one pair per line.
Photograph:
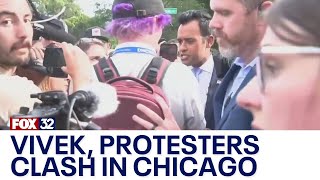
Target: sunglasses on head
90, 40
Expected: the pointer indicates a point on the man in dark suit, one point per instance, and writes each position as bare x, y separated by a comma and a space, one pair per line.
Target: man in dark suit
239, 28
220, 69
227, 114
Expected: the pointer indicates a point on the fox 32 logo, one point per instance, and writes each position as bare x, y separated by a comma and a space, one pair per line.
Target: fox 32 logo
32, 123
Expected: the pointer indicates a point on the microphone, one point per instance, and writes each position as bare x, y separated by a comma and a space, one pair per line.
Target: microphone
95, 101
54, 32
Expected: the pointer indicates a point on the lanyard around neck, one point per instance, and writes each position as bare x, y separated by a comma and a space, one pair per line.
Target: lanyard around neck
134, 50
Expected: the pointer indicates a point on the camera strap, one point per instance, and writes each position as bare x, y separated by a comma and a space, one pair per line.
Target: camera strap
153, 74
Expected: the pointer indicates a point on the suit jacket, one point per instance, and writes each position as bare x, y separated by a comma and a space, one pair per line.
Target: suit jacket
209, 104
220, 69
234, 117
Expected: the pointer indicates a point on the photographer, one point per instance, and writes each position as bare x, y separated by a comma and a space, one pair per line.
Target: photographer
16, 36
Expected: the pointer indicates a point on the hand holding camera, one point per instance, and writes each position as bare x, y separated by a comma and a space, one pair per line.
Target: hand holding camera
60, 59
169, 51
77, 65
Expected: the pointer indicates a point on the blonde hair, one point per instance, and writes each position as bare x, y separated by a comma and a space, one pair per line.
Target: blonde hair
45, 84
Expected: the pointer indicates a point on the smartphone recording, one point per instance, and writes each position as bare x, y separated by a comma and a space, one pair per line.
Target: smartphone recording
53, 61
169, 51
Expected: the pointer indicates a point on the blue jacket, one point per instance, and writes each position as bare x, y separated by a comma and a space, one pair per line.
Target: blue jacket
234, 117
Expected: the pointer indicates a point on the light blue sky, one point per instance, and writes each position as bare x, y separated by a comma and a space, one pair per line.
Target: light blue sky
89, 7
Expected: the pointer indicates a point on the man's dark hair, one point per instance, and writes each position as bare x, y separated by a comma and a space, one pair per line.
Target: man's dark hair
201, 16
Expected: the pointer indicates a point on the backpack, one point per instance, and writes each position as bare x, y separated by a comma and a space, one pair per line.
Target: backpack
132, 91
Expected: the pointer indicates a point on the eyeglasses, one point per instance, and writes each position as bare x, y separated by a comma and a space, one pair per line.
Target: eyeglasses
279, 50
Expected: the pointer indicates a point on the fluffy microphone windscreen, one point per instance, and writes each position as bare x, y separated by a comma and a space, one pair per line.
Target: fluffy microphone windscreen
107, 101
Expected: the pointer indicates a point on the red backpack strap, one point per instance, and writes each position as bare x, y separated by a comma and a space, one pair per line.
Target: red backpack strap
106, 70
155, 71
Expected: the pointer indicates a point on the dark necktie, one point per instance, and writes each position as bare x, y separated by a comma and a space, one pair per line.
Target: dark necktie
231, 75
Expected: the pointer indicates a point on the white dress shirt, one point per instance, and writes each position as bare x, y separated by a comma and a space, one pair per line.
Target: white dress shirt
237, 81
203, 75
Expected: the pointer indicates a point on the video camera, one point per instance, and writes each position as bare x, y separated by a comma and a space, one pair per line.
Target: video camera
50, 28
55, 104
54, 29
169, 51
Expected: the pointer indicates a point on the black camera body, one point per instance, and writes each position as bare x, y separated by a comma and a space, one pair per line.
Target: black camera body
53, 61
50, 29
169, 51
50, 65
54, 105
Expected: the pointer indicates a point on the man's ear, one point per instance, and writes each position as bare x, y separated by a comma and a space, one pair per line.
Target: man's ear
264, 7
210, 41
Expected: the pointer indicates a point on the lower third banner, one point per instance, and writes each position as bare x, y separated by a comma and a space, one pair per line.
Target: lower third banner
160, 154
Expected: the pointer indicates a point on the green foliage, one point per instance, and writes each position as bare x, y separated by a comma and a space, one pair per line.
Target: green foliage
74, 17
78, 22
183, 5
49, 7
205, 4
